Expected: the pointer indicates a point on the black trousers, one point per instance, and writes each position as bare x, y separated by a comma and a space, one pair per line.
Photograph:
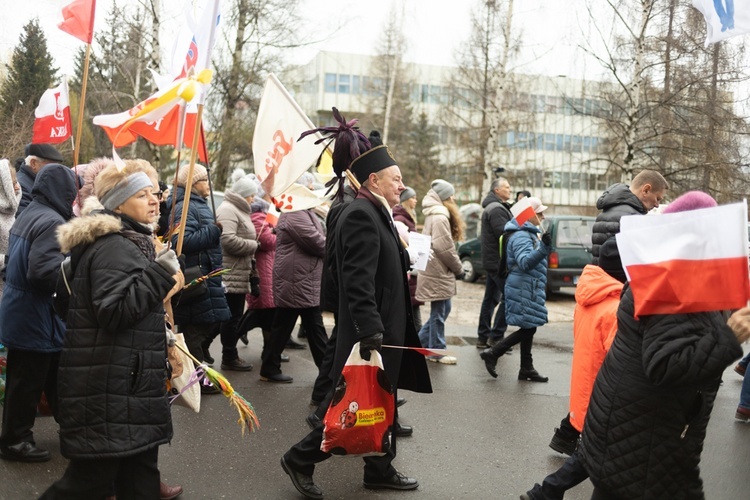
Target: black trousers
303, 456
135, 477
570, 474
523, 336
324, 383
283, 325
228, 330
195, 336
28, 374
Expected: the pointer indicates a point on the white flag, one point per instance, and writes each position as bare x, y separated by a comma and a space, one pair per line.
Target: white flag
275, 148
724, 18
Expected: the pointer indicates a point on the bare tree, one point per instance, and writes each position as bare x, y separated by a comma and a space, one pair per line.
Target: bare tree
256, 33
476, 111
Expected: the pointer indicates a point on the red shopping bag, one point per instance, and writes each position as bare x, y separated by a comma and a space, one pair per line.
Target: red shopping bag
359, 420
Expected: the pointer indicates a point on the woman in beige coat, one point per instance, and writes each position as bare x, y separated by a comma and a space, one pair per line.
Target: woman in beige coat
238, 246
437, 283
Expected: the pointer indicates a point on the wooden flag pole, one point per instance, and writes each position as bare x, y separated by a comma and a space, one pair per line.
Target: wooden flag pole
81, 105
189, 182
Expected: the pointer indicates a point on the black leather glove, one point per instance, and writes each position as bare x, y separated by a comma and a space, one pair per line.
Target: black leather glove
460, 276
369, 343
547, 239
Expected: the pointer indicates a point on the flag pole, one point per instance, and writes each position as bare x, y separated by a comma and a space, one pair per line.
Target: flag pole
189, 182
81, 105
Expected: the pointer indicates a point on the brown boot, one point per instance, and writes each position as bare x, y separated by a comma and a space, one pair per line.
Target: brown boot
169, 492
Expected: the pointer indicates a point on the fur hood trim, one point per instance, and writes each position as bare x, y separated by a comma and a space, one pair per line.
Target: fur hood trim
86, 230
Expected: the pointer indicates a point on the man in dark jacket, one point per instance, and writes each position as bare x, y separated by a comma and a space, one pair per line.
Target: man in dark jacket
644, 193
373, 309
495, 215
29, 326
37, 157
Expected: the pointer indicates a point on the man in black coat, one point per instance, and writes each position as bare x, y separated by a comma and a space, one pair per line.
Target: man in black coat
373, 309
644, 194
495, 215
37, 157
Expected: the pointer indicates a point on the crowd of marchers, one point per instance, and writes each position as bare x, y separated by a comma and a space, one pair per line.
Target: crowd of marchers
93, 287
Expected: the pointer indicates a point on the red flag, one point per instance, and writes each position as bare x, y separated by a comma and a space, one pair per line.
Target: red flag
52, 116
78, 19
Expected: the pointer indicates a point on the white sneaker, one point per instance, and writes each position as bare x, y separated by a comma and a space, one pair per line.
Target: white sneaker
446, 360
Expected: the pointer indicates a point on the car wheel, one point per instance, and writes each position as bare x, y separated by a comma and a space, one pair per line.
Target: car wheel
469, 274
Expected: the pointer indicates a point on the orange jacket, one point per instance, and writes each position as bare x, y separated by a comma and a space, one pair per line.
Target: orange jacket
594, 328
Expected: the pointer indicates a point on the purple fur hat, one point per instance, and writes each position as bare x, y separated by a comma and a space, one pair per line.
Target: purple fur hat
692, 200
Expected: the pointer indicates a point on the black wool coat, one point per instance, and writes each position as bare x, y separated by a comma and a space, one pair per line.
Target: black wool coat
112, 376
371, 270
652, 399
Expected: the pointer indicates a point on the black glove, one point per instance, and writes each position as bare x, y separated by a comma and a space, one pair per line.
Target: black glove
369, 343
547, 239
460, 276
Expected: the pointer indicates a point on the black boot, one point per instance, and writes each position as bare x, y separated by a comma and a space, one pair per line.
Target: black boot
490, 361
531, 375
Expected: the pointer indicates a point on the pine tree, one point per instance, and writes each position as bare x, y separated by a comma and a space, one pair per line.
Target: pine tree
31, 72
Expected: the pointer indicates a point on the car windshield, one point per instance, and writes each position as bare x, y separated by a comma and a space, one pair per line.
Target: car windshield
574, 233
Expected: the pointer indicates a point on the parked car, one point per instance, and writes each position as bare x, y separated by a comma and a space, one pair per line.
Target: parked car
571, 251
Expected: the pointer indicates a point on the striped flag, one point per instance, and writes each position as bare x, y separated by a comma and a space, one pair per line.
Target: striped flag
522, 211
687, 262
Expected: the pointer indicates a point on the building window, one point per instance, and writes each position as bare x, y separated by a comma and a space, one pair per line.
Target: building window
344, 86
330, 83
549, 142
356, 89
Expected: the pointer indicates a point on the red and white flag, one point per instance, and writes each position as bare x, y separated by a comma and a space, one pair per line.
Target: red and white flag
78, 19
522, 211
724, 18
687, 262
52, 116
275, 146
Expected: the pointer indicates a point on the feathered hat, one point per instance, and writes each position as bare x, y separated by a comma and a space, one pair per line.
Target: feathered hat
350, 144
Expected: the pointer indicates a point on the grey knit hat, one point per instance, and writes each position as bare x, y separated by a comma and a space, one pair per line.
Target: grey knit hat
245, 187
444, 189
406, 194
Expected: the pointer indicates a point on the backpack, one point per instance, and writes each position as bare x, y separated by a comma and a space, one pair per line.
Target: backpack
502, 245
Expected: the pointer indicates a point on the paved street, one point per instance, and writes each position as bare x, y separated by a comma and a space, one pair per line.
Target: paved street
475, 437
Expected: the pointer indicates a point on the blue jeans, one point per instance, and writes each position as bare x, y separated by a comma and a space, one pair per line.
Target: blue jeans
745, 392
432, 333
493, 297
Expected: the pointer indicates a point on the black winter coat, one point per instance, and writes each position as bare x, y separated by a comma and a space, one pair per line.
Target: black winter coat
615, 202
202, 245
112, 377
647, 417
371, 269
495, 216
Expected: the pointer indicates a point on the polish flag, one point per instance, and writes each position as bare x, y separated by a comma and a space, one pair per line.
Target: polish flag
52, 122
78, 19
687, 262
522, 211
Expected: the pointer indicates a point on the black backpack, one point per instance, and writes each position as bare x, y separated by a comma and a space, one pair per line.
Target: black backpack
502, 245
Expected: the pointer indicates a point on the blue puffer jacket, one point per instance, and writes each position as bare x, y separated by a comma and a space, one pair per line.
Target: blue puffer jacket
27, 320
527, 280
202, 244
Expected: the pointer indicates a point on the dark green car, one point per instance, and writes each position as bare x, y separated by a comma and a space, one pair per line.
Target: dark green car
571, 251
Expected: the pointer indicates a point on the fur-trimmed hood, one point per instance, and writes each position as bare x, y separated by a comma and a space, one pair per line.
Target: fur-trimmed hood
86, 230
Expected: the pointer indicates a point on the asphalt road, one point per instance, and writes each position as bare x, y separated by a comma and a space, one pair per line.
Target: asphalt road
475, 437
